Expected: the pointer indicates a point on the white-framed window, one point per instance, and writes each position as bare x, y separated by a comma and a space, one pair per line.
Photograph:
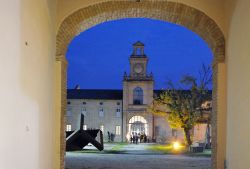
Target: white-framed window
102, 128
84, 127
84, 111
118, 112
68, 127
118, 130
101, 112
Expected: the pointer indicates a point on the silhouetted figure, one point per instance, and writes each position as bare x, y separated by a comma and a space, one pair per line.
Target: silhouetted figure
112, 137
131, 139
109, 137
141, 138
145, 138
136, 139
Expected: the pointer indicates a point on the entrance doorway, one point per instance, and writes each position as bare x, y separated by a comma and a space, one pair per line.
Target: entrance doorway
137, 126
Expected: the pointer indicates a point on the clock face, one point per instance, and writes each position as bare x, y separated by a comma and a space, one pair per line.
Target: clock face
138, 68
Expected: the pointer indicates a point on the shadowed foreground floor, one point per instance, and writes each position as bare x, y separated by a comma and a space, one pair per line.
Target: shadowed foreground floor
134, 161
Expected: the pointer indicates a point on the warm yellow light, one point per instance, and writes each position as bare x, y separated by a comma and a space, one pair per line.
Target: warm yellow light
128, 137
176, 145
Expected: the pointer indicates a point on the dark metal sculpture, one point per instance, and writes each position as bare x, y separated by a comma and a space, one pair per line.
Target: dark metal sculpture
78, 139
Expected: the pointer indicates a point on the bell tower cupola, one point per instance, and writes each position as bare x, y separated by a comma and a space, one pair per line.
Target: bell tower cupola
138, 64
138, 49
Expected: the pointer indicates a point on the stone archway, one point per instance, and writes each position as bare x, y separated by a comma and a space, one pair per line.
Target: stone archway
173, 12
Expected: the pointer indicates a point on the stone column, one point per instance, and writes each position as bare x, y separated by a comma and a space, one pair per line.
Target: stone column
60, 109
219, 116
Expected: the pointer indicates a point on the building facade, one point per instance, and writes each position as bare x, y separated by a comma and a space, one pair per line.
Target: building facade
102, 109
125, 112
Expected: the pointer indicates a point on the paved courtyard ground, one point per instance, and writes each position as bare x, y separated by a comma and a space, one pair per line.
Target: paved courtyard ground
132, 156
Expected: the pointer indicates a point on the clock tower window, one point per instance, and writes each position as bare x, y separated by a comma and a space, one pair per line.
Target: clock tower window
138, 96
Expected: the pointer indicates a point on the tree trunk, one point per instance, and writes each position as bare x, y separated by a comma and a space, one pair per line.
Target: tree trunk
188, 136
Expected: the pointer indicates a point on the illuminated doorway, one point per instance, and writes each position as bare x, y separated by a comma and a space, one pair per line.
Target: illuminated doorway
137, 125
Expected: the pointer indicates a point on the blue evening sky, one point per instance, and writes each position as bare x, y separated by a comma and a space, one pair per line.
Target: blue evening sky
99, 56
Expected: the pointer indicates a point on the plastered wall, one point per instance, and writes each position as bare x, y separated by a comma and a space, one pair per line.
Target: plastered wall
238, 95
92, 118
27, 48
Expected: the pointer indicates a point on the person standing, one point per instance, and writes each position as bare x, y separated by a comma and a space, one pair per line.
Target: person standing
109, 137
136, 138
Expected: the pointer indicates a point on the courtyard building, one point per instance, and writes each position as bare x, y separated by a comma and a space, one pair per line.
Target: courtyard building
35, 36
126, 113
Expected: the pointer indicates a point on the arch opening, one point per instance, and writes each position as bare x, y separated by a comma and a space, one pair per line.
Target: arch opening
177, 13
137, 126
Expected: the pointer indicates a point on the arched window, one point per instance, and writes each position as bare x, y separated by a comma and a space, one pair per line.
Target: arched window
138, 96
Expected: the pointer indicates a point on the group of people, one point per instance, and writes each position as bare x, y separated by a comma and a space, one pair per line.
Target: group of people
135, 137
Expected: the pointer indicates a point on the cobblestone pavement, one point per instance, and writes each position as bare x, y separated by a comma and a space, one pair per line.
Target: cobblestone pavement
134, 161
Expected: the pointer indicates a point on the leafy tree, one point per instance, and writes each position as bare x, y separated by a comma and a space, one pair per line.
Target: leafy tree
183, 102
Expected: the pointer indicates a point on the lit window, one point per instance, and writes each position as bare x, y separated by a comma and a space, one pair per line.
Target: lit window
118, 112
84, 127
68, 127
102, 128
84, 111
117, 130
101, 112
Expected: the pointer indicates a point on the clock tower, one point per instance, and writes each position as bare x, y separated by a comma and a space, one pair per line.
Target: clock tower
138, 61
137, 95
